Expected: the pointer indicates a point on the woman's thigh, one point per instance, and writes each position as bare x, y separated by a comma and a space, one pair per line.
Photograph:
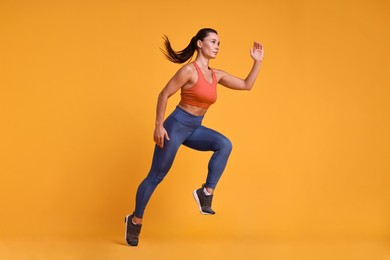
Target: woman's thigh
164, 157
206, 139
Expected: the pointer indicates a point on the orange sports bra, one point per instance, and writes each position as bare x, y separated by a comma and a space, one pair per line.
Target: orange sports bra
202, 93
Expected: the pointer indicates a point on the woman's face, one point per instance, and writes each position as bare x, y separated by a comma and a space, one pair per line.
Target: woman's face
209, 46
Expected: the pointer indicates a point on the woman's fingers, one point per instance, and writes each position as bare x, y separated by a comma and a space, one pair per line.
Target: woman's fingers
257, 52
161, 142
257, 46
159, 138
162, 139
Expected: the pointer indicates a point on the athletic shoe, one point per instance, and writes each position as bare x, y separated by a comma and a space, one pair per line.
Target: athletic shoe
132, 231
203, 201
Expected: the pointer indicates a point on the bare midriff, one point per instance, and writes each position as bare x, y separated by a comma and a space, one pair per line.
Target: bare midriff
196, 111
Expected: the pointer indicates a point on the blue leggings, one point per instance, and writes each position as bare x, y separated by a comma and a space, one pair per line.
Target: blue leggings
183, 128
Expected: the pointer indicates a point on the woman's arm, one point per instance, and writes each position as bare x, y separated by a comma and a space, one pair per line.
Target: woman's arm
182, 77
234, 82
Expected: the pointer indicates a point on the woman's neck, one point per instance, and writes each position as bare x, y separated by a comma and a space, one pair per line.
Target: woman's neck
202, 62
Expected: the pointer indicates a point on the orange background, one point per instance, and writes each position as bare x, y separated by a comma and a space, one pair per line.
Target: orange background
78, 87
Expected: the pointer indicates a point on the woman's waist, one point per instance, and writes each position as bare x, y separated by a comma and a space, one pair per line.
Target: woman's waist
183, 116
193, 110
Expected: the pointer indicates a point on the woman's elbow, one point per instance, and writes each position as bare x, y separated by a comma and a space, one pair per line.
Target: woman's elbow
163, 95
248, 88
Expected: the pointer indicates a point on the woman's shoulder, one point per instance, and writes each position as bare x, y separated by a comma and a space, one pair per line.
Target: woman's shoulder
186, 73
187, 69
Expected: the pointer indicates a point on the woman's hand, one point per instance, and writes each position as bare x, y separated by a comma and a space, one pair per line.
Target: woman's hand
257, 52
159, 135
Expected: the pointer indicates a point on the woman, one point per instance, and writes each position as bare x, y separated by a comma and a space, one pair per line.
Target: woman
197, 82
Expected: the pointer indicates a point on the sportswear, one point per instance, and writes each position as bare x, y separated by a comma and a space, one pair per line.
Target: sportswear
202, 94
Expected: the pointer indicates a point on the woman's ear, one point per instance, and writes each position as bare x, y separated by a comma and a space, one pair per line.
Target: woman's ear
199, 43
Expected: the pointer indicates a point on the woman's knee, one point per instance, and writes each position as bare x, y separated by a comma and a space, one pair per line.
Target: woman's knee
227, 145
223, 144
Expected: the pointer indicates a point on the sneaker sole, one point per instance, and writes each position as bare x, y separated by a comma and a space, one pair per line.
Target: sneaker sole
126, 220
198, 202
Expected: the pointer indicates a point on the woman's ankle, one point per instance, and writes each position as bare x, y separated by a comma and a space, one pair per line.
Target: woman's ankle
210, 191
137, 221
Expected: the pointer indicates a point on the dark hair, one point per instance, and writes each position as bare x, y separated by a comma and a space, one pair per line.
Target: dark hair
187, 53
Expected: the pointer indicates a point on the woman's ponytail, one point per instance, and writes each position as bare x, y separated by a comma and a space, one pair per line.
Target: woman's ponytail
179, 56
187, 53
